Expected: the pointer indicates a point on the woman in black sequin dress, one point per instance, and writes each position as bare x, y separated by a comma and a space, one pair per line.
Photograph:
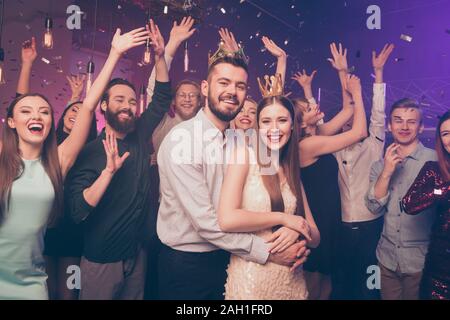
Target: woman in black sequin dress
432, 188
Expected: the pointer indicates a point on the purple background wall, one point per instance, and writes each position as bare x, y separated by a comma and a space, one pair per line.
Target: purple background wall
303, 28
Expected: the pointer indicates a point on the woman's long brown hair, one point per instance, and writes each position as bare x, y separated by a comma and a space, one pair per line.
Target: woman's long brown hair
443, 155
11, 164
289, 161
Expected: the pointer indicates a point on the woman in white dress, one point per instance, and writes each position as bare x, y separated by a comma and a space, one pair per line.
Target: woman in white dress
254, 201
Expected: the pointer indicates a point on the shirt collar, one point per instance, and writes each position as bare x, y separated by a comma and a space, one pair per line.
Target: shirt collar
208, 125
416, 154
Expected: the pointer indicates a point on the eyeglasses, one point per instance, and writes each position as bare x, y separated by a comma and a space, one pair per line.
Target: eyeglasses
185, 96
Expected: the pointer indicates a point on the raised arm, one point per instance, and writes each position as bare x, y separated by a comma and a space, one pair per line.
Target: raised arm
179, 33
378, 61
162, 97
316, 146
305, 82
278, 53
339, 62
69, 149
28, 55
377, 128
76, 86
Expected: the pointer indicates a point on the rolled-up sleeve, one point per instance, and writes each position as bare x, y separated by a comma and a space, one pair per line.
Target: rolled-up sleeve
376, 206
80, 177
188, 182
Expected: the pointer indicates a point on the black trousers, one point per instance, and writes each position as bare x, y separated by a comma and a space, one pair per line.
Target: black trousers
357, 251
191, 275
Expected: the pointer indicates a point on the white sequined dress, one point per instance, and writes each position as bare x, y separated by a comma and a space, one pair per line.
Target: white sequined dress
252, 281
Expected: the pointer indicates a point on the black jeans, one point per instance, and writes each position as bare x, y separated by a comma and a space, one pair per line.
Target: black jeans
192, 275
357, 251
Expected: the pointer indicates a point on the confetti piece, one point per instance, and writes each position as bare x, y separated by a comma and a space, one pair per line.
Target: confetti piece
372, 75
45, 60
406, 37
259, 14
399, 59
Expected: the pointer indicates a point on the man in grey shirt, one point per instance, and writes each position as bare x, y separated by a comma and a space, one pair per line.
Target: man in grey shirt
404, 240
192, 263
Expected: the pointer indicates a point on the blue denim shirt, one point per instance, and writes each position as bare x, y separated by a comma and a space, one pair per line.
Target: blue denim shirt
404, 240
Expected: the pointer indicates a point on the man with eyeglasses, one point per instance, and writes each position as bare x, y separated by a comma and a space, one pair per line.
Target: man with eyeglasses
185, 105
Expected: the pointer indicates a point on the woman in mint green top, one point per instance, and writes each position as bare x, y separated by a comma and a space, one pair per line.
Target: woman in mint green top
22, 270
32, 170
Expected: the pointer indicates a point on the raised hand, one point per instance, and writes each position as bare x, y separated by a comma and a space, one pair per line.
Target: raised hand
303, 79
339, 61
282, 239
29, 53
121, 43
230, 43
271, 46
76, 84
379, 61
113, 161
183, 31
157, 40
391, 159
353, 85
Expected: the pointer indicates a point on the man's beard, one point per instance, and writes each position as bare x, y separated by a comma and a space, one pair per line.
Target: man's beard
120, 126
228, 116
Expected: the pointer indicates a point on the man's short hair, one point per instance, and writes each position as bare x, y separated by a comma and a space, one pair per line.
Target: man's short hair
230, 60
406, 103
187, 82
112, 83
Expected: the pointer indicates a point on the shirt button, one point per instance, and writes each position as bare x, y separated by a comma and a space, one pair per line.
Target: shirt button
398, 247
399, 214
398, 230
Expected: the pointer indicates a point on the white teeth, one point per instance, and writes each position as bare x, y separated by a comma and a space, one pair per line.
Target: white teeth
35, 126
71, 119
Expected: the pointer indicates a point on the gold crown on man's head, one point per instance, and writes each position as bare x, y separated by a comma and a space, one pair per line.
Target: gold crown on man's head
221, 52
273, 86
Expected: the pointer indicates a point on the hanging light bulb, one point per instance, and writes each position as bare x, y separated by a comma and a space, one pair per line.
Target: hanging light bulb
90, 75
2, 67
47, 42
142, 100
186, 57
147, 57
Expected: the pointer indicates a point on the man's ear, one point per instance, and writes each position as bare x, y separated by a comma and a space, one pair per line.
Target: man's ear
421, 128
103, 106
11, 123
204, 88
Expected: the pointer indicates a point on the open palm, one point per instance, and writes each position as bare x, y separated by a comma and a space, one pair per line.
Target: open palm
113, 161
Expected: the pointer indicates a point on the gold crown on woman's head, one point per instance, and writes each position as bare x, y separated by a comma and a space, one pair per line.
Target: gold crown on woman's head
273, 86
221, 53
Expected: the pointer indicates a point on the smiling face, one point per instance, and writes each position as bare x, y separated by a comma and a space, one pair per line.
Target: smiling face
121, 108
32, 118
226, 90
445, 135
275, 124
70, 117
187, 101
405, 125
246, 118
